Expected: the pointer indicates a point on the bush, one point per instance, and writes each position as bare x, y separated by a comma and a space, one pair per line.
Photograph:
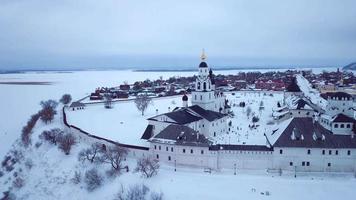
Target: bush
93, 179
77, 178
137, 192
18, 182
66, 142
52, 136
48, 110
147, 166
66, 99
27, 130
29, 164
156, 196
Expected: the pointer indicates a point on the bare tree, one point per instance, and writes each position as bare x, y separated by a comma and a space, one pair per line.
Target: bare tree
108, 100
66, 142
142, 101
66, 99
93, 179
92, 153
147, 166
48, 110
248, 112
115, 156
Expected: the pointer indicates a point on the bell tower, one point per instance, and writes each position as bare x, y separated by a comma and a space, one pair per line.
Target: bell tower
204, 89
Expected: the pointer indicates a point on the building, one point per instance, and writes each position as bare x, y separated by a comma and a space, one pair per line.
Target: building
301, 141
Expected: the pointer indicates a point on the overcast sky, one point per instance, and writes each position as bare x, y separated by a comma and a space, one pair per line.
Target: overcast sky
98, 34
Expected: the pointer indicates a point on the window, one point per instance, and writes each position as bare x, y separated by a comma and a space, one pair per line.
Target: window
157, 156
204, 85
303, 163
308, 151
198, 85
323, 152
342, 126
336, 126
183, 150
329, 164
169, 158
159, 147
336, 152
214, 134
348, 152
171, 149
201, 97
155, 147
280, 151
191, 151
348, 126
195, 97
290, 163
308, 163
330, 152
166, 148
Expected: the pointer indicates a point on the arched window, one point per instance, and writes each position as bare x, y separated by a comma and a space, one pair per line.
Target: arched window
198, 85
204, 85
209, 86
336, 126
342, 126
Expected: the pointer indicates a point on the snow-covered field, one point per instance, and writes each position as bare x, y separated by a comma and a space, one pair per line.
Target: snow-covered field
49, 177
122, 123
18, 102
240, 131
51, 171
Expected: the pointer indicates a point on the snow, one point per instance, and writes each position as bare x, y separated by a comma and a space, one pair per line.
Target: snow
274, 132
50, 175
310, 93
240, 132
123, 123
50, 178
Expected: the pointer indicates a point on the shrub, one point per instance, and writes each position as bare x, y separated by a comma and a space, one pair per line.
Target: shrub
48, 110
66, 142
93, 179
29, 164
156, 196
52, 136
77, 178
18, 182
66, 99
147, 166
137, 192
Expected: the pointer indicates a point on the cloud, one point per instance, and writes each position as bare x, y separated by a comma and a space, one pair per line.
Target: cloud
116, 33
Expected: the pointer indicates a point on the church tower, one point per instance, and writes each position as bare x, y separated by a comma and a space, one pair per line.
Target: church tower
204, 94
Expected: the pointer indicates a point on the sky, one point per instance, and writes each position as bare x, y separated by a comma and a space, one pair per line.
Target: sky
91, 34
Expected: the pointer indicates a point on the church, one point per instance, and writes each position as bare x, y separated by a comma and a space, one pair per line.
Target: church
205, 118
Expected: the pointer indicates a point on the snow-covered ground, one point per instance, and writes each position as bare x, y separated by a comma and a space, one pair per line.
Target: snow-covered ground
240, 131
123, 123
51, 173
310, 93
49, 178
